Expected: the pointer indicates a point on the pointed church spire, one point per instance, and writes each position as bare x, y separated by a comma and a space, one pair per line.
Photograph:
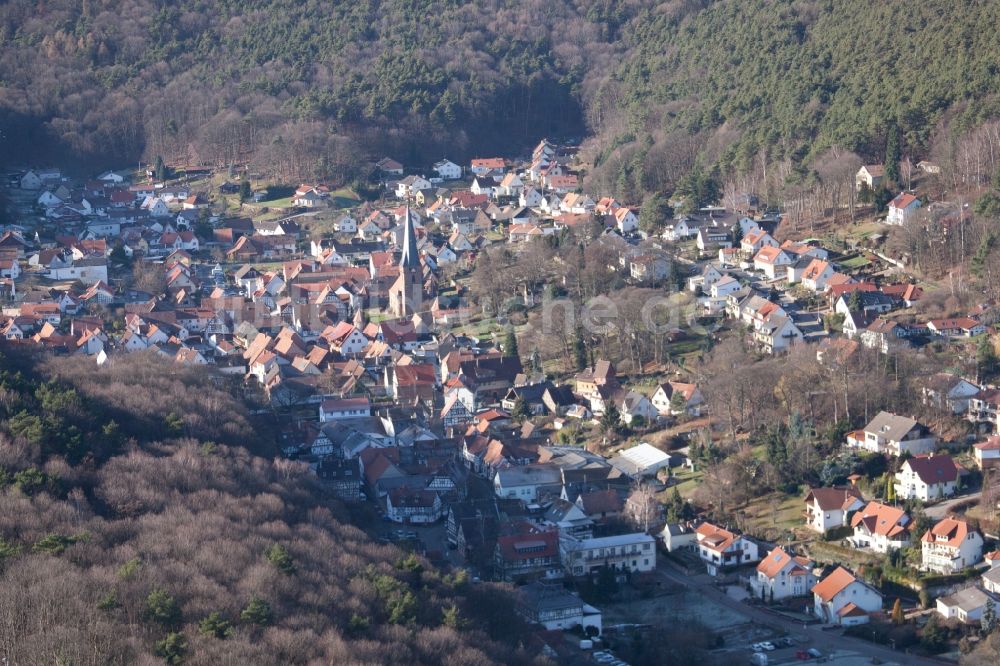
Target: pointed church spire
410, 258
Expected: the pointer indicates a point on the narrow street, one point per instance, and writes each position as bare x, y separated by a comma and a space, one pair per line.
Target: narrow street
808, 635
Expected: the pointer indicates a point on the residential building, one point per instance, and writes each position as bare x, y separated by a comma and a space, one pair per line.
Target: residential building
987, 452
781, 575
528, 553
902, 209
721, 549
829, 508
966, 605
841, 598
527, 482
344, 408
893, 435
689, 399
623, 552
870, 176
678, 536
413, 506
557, 609
771, 261
948, 391
881, 528
927, 477
960, 327
950, 546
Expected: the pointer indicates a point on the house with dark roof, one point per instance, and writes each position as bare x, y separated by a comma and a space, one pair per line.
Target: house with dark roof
528, 552
927, 477
827, 508
892, 434
554, 608
413, 506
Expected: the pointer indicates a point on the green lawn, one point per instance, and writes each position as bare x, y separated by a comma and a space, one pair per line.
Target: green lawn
688, 482
856, 262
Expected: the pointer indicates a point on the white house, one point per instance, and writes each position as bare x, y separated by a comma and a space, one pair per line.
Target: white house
626, 220
965, 605
950, 546
816, 275
31, 181
9, 268
622, 552
780, 575
678, 536
530, 198
344, 408
893, 435
691, 398
771, 260
987, 452
410, 185
927, 477
840, 598
346, 224
881, 528
448, 170
634, 404
754, 240
946, 390
48, 199
902, 209
724, 287
720, 549
827, 508
870, 176
960, 327
557, 609
511, 185
991, 578
706, 279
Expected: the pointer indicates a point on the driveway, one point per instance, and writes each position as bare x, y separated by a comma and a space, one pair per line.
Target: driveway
807, 635
942, 509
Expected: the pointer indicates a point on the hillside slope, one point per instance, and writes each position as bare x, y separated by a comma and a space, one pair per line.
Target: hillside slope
791, 78
221, 81
310, 88
133, 525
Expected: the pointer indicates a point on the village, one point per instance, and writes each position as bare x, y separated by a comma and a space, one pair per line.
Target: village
355, 325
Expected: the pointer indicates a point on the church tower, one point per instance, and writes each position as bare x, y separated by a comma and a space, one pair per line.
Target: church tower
406, 296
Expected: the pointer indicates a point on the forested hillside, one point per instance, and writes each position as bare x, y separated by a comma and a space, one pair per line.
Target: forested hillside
134, 523
311, 87
291, 81
744, 83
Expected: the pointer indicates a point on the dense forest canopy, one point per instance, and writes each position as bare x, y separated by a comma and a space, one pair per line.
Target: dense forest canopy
134, 522
311, 87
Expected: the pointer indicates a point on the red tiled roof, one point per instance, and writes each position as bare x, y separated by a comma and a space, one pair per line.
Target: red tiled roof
833, 584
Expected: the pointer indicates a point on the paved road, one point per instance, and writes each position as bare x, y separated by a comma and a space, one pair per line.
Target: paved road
825, 641
940, 510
